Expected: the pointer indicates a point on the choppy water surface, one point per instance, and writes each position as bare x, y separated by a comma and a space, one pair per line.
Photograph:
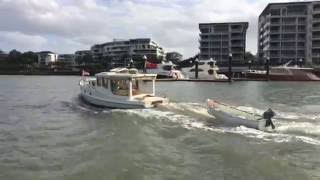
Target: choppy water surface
47, 132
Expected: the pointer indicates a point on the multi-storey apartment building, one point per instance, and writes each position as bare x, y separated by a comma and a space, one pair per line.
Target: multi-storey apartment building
67, 59
46, 58
290, 32
120, 50
218, 40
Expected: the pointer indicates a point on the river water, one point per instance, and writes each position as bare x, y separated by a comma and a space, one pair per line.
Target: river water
47, 132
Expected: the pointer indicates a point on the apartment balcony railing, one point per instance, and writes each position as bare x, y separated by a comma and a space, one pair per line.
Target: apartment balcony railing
204, 40
237, 30
288, 55
275, 32
316, 55
274, 39
236, 37
315, 46
301, 39
274, 48
237, 44
289, 22
288, 48
316, 20
235, 51
274, 55
316, 29
289, 31
288, 39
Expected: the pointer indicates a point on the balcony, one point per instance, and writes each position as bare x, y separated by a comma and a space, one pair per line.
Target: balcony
204, 40
288, 48
275, 39
288, 39
236, 37
316, 29
289, 31
237, 44
316, 20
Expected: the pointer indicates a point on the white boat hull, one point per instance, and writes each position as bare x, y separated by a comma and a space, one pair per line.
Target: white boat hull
238, 121
111, 104
236, 117
91, 96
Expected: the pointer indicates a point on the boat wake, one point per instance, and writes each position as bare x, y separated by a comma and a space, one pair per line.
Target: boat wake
290, 127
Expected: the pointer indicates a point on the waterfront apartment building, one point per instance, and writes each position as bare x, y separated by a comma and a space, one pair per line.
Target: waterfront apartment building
82, 53
120, 51
218, 40
46, 58
66, 59
290, 32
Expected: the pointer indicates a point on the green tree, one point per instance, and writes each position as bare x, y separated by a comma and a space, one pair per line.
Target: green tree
14, 56
29, 58
250, 57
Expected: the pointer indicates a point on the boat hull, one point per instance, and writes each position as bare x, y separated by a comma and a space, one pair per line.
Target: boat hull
283, 74
237, 121
112, 104
220, 112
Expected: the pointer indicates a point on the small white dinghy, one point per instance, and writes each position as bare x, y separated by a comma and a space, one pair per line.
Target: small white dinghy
121, 88
231, 114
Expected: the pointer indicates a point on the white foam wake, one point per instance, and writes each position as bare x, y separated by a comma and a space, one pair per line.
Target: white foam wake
187, 114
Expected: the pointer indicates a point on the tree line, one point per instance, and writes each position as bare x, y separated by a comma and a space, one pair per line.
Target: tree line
16, 60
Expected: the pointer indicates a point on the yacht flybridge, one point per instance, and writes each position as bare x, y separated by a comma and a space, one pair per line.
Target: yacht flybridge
121, 88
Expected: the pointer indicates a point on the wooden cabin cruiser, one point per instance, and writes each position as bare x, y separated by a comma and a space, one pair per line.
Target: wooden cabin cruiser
235, 116
121, 88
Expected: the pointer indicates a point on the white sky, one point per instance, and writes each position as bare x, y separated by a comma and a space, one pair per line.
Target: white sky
65, 26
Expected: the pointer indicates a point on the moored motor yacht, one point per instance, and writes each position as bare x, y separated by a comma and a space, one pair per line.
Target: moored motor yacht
207, 69
121, 88
285, 73
164, 70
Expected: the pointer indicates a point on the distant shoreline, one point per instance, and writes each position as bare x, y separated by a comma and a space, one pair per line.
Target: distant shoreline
42, 73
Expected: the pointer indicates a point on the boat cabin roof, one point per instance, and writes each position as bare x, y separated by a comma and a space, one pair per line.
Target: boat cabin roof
126, 76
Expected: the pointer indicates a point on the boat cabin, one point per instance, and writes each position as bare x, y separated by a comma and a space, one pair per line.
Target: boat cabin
124, 85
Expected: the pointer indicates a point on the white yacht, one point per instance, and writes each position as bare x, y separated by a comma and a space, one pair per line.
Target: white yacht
121, 88
207, 69
164, 70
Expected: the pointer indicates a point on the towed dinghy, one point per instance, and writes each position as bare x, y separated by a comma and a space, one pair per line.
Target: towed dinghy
233, 115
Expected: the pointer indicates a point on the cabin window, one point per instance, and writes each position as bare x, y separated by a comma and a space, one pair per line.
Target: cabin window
93, 83
167, 68
135, 87
105, 83
120, 87
99, 81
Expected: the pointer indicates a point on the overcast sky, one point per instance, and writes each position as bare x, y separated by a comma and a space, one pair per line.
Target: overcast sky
64, 26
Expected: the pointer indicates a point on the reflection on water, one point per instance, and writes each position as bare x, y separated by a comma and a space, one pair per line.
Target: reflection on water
47, 132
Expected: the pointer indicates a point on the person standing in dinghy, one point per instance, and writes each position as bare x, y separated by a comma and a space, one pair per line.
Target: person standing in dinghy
268, 115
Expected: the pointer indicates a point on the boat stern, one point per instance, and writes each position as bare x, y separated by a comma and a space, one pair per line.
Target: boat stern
155, 101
